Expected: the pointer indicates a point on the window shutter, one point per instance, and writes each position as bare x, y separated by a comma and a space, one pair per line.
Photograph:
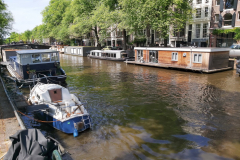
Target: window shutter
233, 19
235, 4
220, 21
221, 5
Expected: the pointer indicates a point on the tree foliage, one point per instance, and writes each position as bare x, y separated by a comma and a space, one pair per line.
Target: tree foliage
6, 20
158, 15
53, 16
75, 19
235, 30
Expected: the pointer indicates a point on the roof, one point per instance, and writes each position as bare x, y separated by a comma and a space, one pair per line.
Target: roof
193, 49
108, 51
36, 51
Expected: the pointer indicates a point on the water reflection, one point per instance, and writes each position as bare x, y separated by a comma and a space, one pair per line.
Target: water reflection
141, 112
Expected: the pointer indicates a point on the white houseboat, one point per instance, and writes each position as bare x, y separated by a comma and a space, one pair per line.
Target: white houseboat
114, 55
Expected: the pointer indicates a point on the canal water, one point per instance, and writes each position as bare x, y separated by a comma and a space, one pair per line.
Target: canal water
141, 112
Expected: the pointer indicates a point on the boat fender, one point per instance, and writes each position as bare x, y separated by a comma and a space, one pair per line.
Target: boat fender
75, 131
29, 101
56, 155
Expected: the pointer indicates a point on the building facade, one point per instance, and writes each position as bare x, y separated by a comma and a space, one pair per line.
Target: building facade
197, 32
225, 15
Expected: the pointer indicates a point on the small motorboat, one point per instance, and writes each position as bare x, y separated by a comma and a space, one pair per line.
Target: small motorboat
54, 104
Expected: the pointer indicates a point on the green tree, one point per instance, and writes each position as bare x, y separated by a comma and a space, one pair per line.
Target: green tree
158, 15
39, 32
53, 16
64, 33
6, 20
14, 37
26, 36
237, 34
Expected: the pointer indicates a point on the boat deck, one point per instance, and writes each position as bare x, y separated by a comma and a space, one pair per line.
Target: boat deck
177, 67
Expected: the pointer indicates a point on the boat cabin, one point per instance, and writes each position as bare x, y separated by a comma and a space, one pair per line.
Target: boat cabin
109, 54
40, 62
206, 60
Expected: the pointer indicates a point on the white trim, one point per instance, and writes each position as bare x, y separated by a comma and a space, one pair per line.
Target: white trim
184, 49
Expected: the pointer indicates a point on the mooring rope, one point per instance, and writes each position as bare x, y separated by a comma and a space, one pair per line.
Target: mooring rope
37, 119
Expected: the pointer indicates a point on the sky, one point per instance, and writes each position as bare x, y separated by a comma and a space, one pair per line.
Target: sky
26, 13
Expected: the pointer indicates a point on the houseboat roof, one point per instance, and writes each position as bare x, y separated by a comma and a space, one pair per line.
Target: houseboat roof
203, 49
36, 51
108, 51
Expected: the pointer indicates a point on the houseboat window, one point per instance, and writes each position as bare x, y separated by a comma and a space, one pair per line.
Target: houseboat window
197, 58
174, 56
153, 56
106, 54
114, 55
124, 55
54, 56
36, 58
73, 50
26, 58
97, 53
18, 58
79, 51
46, 57
139, 54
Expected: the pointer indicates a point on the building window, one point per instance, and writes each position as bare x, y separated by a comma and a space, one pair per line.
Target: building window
217, 2
190, 27
174, 56
198, 27
206, 1
197, 58
199, 1
198, 13
205, 29
228, 19
206, 11
216, 17
238, 14
229, 4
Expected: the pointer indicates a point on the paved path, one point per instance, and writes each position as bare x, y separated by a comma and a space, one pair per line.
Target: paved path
8, 122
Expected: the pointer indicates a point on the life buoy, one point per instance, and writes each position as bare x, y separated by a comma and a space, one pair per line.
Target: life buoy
56, 155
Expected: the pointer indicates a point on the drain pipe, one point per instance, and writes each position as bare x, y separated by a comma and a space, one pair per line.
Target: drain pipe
191, 57
13, 107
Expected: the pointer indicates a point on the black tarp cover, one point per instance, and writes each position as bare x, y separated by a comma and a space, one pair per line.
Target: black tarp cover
30, 144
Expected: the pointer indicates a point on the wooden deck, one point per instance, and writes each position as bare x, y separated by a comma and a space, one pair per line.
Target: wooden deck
177, 67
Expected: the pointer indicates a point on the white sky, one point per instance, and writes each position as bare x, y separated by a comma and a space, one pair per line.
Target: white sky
26, 13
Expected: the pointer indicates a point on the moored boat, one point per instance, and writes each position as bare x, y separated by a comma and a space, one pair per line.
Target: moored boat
41, 65
114, 55
54, 104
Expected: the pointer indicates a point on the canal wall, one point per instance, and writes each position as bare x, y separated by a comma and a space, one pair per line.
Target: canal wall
10, 122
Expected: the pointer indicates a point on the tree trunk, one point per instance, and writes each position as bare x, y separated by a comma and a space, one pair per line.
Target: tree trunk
97, 37
124, 39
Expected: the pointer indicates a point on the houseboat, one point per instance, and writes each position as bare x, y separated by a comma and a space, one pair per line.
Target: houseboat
81, 51
42, 65
114, 55
206, 60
